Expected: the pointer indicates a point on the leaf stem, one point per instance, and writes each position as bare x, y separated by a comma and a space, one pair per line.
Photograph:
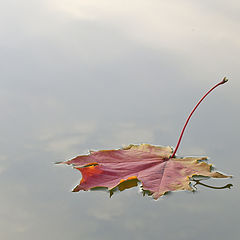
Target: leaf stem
181, 135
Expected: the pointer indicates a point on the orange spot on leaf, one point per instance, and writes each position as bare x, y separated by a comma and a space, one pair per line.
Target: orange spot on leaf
89, 172
129, 178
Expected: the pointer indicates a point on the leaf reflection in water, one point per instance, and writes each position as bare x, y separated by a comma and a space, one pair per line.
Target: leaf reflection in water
198, 181
134, 182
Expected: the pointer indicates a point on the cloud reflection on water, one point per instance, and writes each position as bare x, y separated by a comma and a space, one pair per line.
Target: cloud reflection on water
80, 75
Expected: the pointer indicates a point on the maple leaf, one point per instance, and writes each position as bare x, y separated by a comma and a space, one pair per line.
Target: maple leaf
156, 167
151, 165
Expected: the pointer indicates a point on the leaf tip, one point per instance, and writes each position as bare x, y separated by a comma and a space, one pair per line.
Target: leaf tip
58, 162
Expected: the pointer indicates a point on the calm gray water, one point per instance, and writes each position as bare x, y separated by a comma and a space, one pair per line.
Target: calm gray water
80, 75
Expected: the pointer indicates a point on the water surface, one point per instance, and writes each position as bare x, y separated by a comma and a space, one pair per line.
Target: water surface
79, 75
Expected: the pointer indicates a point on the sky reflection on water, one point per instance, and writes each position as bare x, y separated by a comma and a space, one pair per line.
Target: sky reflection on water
80, 75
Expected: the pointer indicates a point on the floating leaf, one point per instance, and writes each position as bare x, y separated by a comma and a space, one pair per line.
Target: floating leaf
155, 167
150, 165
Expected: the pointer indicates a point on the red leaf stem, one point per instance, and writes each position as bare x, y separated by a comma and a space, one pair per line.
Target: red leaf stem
181, 135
